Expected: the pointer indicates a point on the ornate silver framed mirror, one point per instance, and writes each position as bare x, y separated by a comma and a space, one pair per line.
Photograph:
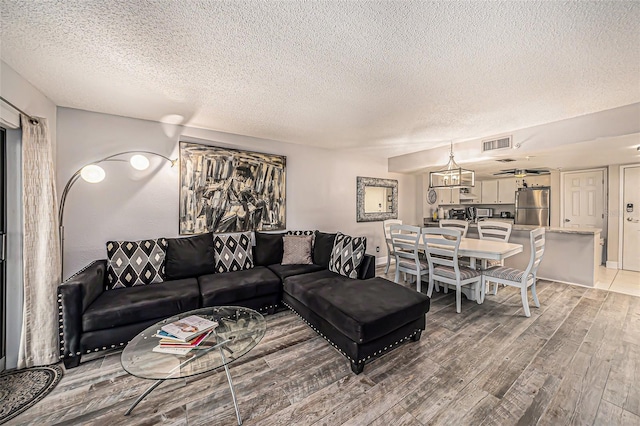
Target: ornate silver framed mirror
377, 199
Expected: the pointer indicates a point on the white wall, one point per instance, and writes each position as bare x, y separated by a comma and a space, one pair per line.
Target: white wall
26, 97
321, 184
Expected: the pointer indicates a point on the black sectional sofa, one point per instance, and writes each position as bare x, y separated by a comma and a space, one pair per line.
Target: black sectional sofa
361, 317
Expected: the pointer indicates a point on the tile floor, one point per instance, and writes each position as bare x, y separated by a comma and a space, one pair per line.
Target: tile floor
619, 281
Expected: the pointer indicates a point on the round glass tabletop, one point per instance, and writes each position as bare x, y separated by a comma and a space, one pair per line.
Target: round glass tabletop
239, 330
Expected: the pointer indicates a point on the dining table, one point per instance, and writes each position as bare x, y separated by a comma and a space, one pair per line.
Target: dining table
483, 251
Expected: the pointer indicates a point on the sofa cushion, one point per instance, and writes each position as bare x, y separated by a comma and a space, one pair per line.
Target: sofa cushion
347, 254
322, 248
233, 252
298, 286
268, 249
125, 306
189, 257
230, 287
363, 310
131, 263
297, 250
284, 271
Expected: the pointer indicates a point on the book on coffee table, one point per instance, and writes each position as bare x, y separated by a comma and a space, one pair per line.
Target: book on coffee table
188, 328
188, 344
170, 350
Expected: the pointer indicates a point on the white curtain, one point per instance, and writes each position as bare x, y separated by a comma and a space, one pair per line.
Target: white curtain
41, 248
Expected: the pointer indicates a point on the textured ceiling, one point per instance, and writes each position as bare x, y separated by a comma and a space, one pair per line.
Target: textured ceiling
392, 77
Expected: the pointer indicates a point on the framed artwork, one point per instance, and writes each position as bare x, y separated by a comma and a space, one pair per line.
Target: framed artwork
228, 190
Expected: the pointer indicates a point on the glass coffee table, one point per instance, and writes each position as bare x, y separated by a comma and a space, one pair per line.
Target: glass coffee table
239, 330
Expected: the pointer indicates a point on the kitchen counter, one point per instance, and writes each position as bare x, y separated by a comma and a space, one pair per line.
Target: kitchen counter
550, 229
572, 255
553, 229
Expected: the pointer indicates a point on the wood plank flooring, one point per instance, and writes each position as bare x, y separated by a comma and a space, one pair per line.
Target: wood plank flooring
576, 360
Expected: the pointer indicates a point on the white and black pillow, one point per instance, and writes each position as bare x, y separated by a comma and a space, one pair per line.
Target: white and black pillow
232, 252
300, 232
132, 263
347, 255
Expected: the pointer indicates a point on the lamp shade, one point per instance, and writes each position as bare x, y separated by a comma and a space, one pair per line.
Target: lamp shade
139, 162
92, 173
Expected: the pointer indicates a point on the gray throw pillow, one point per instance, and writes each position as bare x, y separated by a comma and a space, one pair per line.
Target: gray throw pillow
297, 249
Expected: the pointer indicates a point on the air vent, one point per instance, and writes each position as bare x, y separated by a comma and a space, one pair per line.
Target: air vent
492, 145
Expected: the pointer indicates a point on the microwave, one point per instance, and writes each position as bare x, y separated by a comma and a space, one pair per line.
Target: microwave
484, 212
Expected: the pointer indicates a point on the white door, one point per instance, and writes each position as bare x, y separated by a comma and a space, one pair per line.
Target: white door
583, 201
631, 219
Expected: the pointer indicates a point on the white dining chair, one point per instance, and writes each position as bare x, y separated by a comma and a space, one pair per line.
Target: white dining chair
442, 246
495, 231
406, 241
460, 225
517, 278
386, 225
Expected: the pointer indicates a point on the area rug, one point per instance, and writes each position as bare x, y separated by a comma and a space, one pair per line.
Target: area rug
21, 389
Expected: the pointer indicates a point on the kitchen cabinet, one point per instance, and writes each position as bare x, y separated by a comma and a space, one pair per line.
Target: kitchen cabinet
498, 191
489, 194
533, 180
448, 196
507, 191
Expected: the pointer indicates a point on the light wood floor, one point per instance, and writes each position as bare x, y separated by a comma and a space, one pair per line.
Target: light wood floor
575, 361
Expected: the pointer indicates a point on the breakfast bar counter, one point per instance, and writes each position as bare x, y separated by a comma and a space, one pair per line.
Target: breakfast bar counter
572, 255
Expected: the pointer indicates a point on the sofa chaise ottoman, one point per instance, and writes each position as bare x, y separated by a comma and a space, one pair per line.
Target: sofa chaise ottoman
361, 318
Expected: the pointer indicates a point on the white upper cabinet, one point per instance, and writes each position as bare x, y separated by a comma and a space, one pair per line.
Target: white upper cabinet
498, 191
448, 196
489, 191
507, 191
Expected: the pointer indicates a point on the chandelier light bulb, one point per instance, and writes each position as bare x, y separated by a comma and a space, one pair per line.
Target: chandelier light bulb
139, 162
93, 173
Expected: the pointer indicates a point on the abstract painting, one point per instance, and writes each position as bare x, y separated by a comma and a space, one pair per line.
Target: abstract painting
228, 190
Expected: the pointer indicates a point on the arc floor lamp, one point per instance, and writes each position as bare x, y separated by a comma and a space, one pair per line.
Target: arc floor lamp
93, 173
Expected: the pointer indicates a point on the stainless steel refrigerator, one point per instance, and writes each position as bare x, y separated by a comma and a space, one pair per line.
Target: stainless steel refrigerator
532, 206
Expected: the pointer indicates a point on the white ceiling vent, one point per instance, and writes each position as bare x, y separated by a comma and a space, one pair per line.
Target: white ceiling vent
494, 144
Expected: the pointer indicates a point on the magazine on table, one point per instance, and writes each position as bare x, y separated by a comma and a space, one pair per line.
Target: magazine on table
188, 328
171, 350
189, 344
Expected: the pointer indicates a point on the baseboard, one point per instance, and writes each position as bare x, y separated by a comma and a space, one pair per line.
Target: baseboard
612, 265
382, 261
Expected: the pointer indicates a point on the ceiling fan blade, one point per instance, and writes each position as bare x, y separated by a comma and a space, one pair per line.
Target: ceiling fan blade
536, 171
505, 172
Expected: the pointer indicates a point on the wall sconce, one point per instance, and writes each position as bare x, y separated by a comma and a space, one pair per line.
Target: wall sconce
93, 173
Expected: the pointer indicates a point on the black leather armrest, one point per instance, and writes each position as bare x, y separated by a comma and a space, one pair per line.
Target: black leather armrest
367, 267
74, 296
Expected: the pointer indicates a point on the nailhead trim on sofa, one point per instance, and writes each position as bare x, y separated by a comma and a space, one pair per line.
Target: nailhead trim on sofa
62, 343
360, 361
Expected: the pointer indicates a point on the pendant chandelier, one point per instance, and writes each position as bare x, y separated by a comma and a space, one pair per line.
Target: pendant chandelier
452, 176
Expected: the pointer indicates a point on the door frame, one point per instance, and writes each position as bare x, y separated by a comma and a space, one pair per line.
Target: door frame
605, 195
621, 207
3, 269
